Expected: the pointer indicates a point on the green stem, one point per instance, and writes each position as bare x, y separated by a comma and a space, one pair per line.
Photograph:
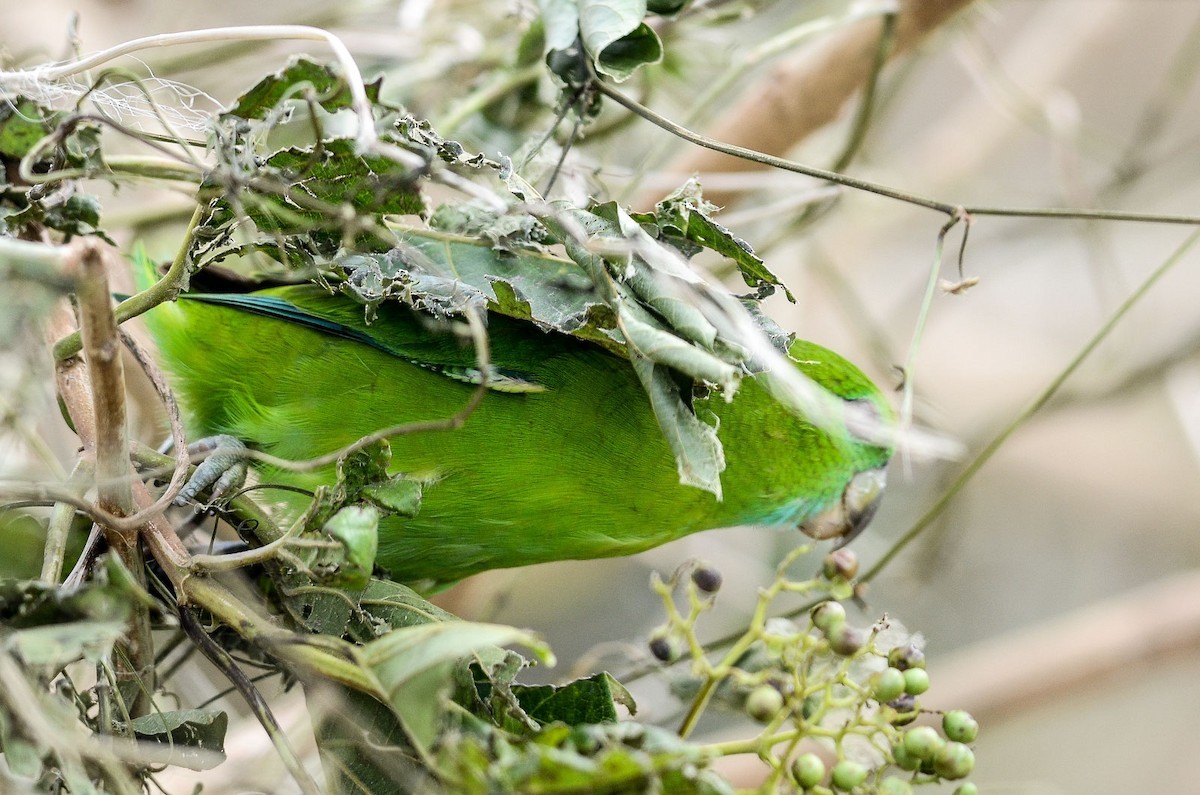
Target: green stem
59, 526
910, 363
165, 289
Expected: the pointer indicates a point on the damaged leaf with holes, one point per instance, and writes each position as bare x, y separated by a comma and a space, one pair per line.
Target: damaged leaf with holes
26, 205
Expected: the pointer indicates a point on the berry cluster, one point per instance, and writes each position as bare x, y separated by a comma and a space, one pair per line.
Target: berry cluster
839, 704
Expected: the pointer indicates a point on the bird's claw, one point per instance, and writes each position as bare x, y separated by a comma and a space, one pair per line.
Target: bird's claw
223, 469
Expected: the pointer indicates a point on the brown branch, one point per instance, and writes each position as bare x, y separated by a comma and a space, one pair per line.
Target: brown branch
93, 392
803, 94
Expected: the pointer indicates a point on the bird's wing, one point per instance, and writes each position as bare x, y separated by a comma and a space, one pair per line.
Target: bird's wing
397, 330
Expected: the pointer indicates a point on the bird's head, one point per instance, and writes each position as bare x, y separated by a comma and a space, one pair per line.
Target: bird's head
863, 464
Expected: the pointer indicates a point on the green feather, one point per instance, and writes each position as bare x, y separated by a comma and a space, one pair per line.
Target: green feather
567, 462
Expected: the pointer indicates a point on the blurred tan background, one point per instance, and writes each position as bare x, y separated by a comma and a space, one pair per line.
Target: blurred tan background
1059, 594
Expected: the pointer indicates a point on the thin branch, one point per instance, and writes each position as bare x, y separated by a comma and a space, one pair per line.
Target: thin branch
59, 526
163, 390
254, 699
109, 444
946, 208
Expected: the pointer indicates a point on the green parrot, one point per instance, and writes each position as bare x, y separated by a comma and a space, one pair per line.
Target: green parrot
562, 459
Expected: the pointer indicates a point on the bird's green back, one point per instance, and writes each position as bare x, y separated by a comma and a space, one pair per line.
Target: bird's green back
573, 466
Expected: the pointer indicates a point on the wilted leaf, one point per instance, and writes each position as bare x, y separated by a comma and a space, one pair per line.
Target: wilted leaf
699, 456
54, 646
614, 36
193, 738
415, 667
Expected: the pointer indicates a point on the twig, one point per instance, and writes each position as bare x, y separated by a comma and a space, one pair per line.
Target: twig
59, 526
947, 208
254, 699
182, 459
109, 444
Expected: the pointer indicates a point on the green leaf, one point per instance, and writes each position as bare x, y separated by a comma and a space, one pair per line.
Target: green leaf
686, 216
699, 457
386, 605
52, 647
591, 700
22, 756
356, 527
194, 738
611, 757
400, 495
32, 603
22, 124
509, 231
78, 215
342, 540
23, 539
626, 55
613, 34
362, 745
328, 89
554, 293
334, 175
665, 7
415, 666
308, 202
57, 205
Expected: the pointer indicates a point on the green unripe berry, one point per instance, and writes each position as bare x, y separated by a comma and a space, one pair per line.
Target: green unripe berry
847, 775
808, 770
764, 703
923, 742
846, 640
894, 786
903, 759
828, 616
889, 684
954, 760
916, 681
966, 789
960, 726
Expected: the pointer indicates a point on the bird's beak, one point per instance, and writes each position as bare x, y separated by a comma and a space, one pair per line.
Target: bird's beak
853, 512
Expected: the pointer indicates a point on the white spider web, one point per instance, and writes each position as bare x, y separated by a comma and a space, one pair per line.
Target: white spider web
136, 104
